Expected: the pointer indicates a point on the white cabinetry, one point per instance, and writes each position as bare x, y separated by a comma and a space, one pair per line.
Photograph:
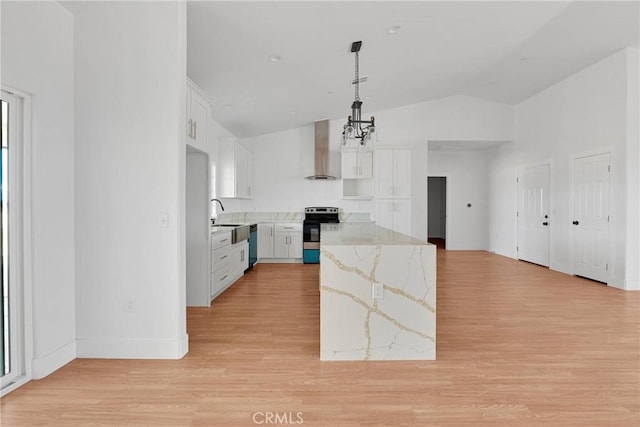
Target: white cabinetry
235, 170
288, 240
240, 259
356, 165
394, 214
228, 261
279, 241
265, 240
198, 114
392, 171
357, 175
220, 262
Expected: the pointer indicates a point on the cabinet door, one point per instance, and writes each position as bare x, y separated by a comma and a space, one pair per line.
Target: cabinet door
401, 173
402, 216
226, 168
281, 245
349, 165
357, 165
240, 170
384, 213
383, 170
295, 245
249, 174
199, 117
365, 165
265, 240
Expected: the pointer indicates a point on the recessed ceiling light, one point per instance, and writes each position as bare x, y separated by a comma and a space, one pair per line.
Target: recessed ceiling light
293, 113
393, 30
274, 58
228, 107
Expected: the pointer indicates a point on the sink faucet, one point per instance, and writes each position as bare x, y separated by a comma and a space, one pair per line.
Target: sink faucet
216, 200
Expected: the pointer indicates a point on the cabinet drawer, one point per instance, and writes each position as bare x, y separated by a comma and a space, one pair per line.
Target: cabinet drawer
221, 239
288, 227
220, 278
221, 257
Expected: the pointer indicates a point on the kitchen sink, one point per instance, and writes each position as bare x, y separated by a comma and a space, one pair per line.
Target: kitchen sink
239, 232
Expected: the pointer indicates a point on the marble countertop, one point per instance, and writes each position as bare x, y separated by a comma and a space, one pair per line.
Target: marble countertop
363, 233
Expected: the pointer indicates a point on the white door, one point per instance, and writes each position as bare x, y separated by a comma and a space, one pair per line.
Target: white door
591, 216
533, 215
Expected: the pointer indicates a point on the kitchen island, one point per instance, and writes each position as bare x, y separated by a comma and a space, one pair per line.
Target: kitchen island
377, 294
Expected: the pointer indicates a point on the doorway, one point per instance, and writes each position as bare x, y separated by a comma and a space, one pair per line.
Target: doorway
14, 307
591, 177
437, 211
533, 215
197, 228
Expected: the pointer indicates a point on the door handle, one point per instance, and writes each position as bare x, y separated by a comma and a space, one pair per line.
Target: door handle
545, 223
576, 222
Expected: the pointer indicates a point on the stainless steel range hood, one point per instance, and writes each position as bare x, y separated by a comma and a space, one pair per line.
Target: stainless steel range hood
321, 152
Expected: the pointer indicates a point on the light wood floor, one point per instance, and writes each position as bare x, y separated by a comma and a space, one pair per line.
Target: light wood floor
517, 345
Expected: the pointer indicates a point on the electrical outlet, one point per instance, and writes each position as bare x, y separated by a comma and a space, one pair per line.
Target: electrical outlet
377, 290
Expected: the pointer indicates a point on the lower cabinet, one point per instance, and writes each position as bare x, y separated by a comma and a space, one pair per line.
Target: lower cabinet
288, 240
265, 240
228, 262
280, 240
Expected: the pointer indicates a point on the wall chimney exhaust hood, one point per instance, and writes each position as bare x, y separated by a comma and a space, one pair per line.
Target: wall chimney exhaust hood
321, 152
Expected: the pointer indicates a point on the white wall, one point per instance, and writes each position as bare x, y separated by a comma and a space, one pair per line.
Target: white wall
468, 183
585, 114
503, 202
130, 91
283, 159
632, 276
37, 58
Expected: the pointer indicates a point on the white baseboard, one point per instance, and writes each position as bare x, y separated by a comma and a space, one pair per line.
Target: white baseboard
632, 285
43, 366
133, 348
280, 260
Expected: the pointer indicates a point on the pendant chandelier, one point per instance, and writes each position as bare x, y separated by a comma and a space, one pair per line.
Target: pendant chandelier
357, 133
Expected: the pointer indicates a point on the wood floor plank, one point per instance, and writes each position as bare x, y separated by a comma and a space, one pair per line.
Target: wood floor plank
517, 345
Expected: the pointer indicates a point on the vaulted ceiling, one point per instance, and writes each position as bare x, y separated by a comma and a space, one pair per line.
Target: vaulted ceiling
412, 52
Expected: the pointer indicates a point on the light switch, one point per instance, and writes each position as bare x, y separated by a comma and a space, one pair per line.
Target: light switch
164, 219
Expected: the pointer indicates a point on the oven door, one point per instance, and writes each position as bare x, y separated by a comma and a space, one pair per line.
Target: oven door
311, 234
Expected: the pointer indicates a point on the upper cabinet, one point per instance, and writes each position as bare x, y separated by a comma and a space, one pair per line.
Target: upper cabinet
357, 165
198, 116
392, 170
235, 170
357, 175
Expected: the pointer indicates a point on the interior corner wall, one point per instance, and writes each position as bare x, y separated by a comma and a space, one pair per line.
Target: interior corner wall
503, 203
467, 183
37, 58
130, 109
581, 115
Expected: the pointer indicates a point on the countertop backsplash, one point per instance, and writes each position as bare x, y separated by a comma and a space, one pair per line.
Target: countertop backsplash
250, 217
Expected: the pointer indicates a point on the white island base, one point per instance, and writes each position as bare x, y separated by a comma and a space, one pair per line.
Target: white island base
358, 260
